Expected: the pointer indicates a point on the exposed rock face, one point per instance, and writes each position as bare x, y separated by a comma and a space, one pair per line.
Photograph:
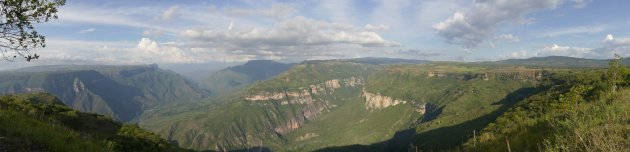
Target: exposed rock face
304, 94
78, 86
313, 106
377, 101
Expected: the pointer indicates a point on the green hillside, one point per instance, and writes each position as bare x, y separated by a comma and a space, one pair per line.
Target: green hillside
361, 105
122, 92
40, 122
237, 78
579, 111
312, 106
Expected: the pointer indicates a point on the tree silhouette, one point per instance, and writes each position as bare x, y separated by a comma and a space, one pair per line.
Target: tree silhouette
17, 34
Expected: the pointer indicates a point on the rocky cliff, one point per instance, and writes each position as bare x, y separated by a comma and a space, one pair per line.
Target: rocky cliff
309, 96
378, 101
122, 92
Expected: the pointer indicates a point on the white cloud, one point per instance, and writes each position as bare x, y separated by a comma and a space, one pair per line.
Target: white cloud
612, 45
557, 50
522, 54
87, 31
170, 13
471, 27
612, 41
553, 50
276, 11
575, 30
294, 32
379, 27
149, 51
507, 37
136, 17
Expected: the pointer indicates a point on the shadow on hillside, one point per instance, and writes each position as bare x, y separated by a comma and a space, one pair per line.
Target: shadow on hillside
253, 149
399, 142
444, 138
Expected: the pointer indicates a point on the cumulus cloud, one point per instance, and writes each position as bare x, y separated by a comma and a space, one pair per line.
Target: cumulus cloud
554, 50
149, 50
471, 27
612, 45
611, 41
557, 50
294, 32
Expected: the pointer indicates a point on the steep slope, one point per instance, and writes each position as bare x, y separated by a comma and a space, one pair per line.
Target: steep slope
121, 92
578, 111
319, 104
266, 113
40, 122
242, 76
458, 98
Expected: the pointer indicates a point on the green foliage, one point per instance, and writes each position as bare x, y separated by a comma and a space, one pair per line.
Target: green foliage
40, 122
16, 25
616, 73
575, 113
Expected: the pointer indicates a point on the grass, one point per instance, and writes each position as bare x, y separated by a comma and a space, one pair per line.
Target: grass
40, 122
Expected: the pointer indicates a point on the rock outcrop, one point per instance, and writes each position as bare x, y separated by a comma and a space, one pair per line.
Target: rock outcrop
377, 101
312, 106
304, 95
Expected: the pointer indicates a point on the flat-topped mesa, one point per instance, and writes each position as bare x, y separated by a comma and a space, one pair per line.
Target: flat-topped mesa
304, 94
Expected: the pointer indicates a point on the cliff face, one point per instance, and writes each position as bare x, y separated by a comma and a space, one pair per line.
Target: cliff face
120, 92
305, 95
377, 102
309, 98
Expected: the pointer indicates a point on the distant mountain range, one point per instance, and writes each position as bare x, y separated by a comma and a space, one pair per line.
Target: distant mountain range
122, 92
240, 77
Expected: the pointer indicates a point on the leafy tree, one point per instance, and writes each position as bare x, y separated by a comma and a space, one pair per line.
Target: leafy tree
17, 34
616, 72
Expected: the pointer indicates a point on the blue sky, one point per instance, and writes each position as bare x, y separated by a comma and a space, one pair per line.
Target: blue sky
201, 31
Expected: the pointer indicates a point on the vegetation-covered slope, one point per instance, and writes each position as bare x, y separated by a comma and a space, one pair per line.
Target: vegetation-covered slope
40, 122
121, 92
237, 78
245, 122
578, 111
320, 104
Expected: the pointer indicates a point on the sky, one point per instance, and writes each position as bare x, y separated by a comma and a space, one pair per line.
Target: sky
225, 31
